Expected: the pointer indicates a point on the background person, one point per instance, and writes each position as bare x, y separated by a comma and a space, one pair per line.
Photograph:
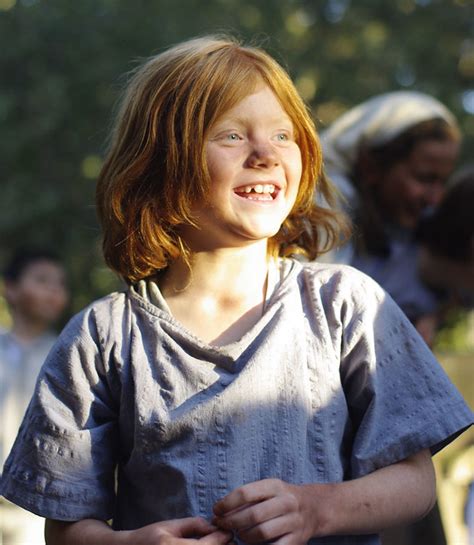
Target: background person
36, 294
391, 157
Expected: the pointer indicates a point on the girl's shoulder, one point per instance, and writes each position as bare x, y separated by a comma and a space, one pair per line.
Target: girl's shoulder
341, 289
335, 275
100, 317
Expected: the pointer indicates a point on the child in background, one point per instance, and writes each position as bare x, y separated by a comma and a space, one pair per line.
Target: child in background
35, 291
231, 390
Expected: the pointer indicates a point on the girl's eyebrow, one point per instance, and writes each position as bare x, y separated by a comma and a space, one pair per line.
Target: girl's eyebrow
284, 119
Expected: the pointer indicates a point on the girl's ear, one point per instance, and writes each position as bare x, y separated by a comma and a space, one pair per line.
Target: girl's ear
367, 169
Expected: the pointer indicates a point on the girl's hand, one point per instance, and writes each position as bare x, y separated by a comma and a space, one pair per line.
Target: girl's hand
177, 532
268, 510
272, 510
171, 532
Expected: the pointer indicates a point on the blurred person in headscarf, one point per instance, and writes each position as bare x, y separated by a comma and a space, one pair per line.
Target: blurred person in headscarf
390, 158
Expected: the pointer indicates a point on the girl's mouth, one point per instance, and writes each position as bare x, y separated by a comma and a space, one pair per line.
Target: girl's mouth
257, 192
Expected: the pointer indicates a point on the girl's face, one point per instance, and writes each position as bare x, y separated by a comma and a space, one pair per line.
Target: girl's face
255, 168
417, 182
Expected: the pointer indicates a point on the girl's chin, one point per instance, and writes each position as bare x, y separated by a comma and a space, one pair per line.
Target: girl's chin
259, 234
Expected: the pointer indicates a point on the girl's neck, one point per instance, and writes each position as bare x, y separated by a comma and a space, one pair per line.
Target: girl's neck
220, 294
232, 272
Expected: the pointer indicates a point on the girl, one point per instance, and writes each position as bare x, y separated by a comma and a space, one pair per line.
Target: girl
231, 388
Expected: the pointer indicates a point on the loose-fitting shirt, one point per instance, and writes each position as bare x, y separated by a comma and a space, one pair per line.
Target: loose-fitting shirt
330, 384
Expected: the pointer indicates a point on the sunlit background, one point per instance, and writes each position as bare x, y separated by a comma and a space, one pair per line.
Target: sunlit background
61, 64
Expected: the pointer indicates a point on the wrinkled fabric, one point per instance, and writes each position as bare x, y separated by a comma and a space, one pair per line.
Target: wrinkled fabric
330, 384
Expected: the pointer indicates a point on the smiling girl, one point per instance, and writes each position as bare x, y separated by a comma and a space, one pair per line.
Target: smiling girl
231, 391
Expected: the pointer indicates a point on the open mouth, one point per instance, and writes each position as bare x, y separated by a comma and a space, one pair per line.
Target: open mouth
257, 192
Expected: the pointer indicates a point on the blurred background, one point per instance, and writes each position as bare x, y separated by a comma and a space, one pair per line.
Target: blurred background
62, 66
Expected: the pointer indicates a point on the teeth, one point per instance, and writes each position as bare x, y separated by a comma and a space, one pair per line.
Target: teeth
259, 188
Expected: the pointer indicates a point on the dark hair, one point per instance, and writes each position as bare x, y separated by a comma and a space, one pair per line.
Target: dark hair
370, 235
22, 258
449, 231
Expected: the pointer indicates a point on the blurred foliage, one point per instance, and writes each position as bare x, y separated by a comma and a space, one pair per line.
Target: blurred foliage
457, 333
61, 64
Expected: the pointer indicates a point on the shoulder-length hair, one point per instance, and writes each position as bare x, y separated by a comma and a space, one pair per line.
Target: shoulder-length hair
155, 168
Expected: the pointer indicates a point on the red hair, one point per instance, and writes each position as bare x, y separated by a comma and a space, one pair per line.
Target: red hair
155, 168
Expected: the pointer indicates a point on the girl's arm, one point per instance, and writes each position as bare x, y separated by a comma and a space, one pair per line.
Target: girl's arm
272, 510
172, 532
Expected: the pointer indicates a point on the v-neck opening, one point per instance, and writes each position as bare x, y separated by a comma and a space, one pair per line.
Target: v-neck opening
148, 295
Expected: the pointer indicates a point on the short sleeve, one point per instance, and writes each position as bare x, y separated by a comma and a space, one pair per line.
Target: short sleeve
400, 399
63, 461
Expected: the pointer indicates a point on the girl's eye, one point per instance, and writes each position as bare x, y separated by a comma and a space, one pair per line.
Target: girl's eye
282, 137
233, 137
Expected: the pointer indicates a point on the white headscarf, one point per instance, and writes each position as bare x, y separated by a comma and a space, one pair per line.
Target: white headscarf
374, 122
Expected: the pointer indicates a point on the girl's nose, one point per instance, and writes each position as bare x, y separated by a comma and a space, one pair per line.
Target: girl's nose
263, 156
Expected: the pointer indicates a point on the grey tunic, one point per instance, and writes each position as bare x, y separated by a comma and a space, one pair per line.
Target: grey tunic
331, 383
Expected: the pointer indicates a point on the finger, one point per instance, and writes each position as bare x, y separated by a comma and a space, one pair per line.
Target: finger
189, 527
249, 493
217, 520
287, 539
269, 530
253, 514
219, 537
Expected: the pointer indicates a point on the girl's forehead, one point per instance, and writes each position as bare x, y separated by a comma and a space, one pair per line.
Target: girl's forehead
257, 102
